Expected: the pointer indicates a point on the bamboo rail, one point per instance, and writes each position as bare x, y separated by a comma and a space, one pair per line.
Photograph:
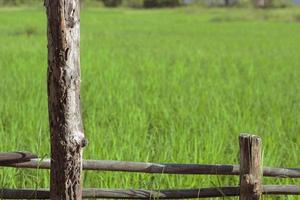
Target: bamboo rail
144, 167
151, 194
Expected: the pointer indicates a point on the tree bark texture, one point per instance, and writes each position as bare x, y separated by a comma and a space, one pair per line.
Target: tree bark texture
67, 137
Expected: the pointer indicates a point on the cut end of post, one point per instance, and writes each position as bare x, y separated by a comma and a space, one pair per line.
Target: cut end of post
248, 135
250, 139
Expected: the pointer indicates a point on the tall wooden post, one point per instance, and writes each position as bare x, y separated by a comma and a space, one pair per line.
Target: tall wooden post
250, 167
67, 137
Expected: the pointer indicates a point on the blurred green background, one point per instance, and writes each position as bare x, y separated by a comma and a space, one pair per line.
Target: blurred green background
161, 85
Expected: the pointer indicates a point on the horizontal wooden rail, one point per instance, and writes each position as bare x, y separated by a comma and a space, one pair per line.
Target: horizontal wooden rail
15, 157
151, 194
106, 165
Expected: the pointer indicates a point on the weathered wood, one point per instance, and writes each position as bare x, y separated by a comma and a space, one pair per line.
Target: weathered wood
67, 138
164, 168
250, 167
15, 157
24, 193
281, 189
161, 168
148, 194
161, 194
281, 172
128, 194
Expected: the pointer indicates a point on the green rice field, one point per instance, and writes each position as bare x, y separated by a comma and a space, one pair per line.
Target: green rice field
169, 86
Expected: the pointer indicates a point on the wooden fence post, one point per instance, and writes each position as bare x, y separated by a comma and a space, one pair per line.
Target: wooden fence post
250, 167
67, 137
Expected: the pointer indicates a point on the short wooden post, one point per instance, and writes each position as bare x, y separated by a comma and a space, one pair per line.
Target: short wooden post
250, 167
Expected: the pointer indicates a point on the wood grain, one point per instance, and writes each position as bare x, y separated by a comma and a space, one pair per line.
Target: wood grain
151, 194
250, 167
161, 168
67, 136
15, 157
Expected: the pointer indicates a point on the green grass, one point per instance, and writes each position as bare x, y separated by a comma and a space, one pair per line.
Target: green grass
161, 86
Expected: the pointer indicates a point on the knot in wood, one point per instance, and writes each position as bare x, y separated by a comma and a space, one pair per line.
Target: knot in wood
249, 179
79, 140
84, 142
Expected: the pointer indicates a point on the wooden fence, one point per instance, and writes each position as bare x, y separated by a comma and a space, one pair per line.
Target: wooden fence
249, 170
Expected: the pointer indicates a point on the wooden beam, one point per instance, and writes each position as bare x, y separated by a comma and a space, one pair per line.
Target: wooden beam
281, 189
162, 194
250, 170
16, 157
160, 168
148, 194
